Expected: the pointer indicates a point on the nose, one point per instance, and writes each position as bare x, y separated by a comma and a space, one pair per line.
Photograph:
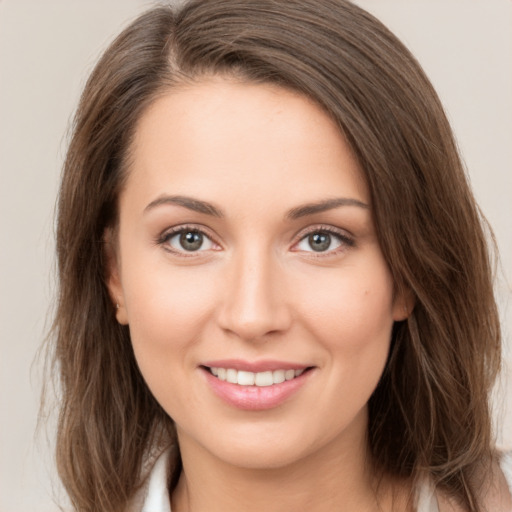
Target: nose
254, 304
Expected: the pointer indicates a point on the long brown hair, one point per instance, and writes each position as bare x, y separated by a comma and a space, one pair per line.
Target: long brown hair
430, 412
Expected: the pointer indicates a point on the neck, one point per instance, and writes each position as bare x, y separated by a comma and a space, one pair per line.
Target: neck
336, 477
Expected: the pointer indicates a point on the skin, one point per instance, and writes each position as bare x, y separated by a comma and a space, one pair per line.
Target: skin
255, 290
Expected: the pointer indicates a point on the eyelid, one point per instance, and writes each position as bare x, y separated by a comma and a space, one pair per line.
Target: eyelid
168, 233
347, 239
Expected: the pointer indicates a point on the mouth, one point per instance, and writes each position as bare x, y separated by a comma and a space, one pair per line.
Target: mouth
258, 385
260, 379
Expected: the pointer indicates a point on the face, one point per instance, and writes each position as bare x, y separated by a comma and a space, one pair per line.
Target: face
247, 267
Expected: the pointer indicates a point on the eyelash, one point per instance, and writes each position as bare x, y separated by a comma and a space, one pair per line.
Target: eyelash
166, 236
346, 241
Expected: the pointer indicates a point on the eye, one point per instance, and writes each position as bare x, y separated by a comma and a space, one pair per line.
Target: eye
187, 240
323, 241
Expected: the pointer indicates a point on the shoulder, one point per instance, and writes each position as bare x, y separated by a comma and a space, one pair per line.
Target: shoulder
506, 468
497, 491
496, 494
153, 495
504, 482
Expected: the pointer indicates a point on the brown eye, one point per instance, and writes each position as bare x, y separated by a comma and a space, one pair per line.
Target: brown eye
319, 242
188, 240
191, 241
324, 240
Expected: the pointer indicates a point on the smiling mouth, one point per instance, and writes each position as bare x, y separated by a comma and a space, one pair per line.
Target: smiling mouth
261, 379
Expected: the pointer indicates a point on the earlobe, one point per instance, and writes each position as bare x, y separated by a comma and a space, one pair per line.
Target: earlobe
121, 316
113, 276
403, 305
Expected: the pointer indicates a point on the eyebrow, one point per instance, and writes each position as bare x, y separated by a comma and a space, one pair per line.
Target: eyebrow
195, 205
322, 206
200, 206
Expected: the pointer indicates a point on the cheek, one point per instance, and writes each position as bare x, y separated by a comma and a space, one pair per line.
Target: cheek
350, 309
167, 313
167, 307
175, 300
350, 316
353, 323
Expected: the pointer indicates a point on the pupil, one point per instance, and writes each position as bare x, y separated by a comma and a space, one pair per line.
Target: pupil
320, 241
191, 241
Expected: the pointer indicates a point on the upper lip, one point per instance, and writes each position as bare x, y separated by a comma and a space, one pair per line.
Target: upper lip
255, 366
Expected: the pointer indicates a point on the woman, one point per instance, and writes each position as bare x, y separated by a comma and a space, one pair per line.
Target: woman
275, 291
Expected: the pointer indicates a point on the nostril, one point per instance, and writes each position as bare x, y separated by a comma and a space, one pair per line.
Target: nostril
257, 325
252, 304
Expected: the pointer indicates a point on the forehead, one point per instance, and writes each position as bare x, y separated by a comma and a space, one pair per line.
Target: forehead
219, 134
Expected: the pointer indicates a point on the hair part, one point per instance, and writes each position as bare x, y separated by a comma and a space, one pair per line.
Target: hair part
430, 411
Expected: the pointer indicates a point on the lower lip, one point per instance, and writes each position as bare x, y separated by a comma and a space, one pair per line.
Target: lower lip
255, 398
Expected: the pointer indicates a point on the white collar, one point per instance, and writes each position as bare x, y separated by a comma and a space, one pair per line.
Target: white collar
153, 496
157, 498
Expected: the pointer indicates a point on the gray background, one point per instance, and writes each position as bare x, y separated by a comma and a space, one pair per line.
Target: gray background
47, 49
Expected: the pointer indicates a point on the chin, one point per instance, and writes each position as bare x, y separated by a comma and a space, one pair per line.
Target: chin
270, 446
255, 456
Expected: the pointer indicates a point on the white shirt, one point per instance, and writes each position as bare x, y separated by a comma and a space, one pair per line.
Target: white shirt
154, 495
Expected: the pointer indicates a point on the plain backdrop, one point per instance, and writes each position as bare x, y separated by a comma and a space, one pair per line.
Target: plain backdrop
47, 49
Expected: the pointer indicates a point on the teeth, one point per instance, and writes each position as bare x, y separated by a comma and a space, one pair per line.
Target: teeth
231, 376
255, 379
278, 376
264, 379
245, 378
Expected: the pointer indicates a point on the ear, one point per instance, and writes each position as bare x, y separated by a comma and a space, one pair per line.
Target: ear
403, 304
113, 275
